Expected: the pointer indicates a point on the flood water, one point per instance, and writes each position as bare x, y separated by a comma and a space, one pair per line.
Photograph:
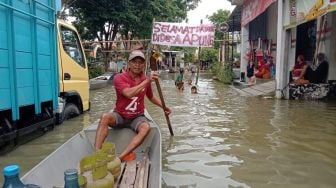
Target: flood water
222, 139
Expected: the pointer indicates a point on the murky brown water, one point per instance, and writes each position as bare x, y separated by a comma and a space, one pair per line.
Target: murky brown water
222, 139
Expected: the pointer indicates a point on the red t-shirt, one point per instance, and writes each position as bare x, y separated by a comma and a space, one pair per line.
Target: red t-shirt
130, 108
297, 66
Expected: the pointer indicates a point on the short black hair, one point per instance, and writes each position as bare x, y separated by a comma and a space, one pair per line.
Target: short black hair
320, 56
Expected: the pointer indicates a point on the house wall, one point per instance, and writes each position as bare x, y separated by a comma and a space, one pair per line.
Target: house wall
272, 19
286, 9
332, 48
281, 53
292, 49
328, 42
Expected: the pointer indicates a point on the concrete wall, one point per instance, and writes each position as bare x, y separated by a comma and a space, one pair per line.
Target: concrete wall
292, 49
328, 42
272, 19
245, 47
332, 54
281, 53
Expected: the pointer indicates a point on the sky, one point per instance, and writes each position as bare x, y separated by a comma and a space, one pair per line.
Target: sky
207, 7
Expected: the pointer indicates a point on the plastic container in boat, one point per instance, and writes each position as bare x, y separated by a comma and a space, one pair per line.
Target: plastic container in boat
12, 178
113, 163
71, 178
94, 169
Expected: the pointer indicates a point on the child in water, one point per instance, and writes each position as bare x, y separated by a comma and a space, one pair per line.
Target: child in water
189, 82
179, 81
180, 86
193, 90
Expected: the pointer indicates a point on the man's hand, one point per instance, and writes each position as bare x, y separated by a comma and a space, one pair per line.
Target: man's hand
154, 75
168, 110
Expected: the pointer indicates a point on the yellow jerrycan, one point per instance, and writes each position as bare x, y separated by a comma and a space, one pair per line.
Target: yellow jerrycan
113, 162
94, 169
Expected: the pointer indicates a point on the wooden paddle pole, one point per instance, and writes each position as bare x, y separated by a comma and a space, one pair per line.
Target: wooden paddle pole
153, 67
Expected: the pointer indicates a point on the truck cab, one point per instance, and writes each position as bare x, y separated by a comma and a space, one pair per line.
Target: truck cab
73, 73
43, 71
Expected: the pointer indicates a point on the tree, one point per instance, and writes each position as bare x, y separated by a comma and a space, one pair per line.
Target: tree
209, 55
104, 19
217, 18
189, 53
223, 73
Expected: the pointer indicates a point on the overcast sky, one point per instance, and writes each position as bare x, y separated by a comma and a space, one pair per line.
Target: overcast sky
207, 7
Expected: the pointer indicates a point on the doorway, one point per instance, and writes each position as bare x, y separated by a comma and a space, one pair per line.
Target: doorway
306, 40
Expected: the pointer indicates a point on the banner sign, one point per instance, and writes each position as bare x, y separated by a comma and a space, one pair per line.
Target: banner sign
183, 34
306, 10
253, 8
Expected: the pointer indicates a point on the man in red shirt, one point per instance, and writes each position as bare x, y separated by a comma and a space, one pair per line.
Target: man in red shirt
131, 88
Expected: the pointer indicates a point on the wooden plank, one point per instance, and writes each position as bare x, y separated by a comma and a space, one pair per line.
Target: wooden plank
140, 165
128, 178
122, 167
142, 172
146, 172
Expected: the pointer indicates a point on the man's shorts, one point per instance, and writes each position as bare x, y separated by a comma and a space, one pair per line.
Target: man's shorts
129, 123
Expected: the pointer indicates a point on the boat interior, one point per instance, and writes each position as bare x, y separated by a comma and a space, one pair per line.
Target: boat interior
145, 171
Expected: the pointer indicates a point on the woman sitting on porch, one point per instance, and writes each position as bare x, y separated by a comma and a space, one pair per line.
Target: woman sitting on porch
319, 74
263, 70
299, 67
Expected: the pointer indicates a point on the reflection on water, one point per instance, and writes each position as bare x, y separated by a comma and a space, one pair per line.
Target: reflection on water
222, 139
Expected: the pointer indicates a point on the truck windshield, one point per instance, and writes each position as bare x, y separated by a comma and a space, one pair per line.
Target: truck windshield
71, 45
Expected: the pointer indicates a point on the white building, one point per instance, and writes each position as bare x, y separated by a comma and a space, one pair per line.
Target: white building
285, 29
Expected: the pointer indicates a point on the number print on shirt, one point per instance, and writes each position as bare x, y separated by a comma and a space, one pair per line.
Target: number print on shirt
132, 105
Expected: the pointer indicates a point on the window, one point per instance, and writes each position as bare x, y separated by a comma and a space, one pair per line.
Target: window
71, 45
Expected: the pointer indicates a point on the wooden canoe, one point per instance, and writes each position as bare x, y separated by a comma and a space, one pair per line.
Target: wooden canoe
102, 81
145, 171
97, 84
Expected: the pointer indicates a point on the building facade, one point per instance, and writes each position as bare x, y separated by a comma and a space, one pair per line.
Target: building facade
282, 30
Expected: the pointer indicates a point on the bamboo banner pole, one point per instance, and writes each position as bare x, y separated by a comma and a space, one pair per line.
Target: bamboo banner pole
162, 99
153, 66
199, 61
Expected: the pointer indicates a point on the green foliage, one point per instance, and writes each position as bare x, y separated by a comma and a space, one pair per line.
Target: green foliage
236, 54
209, 54
217, 18
223, 73
189, 52
104, 19
95, 69
132, 19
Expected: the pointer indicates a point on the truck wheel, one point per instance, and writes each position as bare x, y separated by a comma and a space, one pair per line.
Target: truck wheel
70, 111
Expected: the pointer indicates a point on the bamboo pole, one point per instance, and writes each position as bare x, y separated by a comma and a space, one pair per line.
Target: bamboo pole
153, 66
199, 61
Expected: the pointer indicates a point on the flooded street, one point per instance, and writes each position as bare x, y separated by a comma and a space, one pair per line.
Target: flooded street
222, 139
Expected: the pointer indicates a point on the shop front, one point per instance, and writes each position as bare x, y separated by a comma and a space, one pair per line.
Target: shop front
258, 36
308, 34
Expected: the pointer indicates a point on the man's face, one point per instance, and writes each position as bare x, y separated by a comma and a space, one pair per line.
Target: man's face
137, 65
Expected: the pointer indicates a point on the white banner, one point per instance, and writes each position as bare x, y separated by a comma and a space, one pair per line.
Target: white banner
183, 34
